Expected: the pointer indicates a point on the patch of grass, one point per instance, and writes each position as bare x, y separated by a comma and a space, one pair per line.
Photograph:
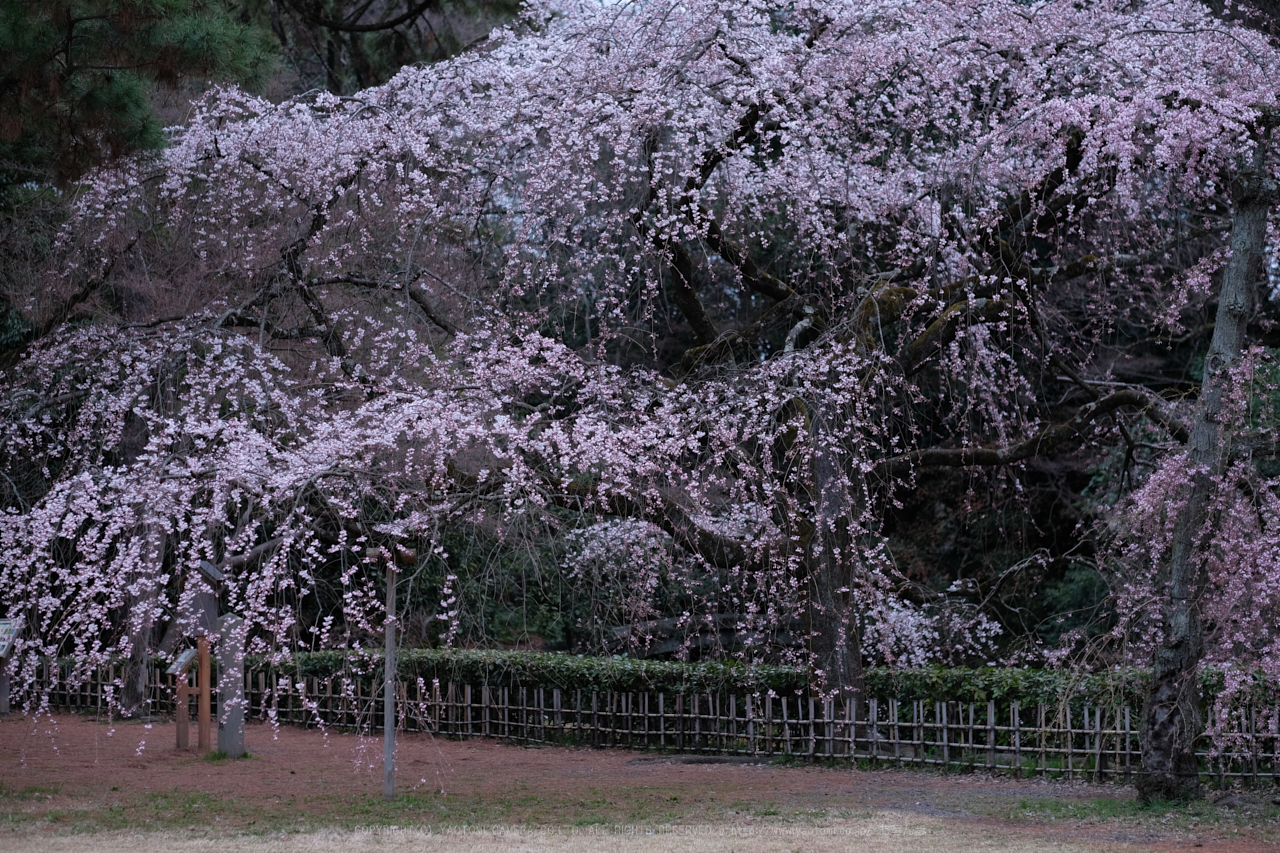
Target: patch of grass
1262, 818
28, 793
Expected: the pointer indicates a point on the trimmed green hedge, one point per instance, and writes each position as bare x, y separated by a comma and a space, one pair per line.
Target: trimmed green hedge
1007, 685
602, 674
541, 669
576, 672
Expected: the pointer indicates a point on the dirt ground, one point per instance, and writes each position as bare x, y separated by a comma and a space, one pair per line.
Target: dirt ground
308, 790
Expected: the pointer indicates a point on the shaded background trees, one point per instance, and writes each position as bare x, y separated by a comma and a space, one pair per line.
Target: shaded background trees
348, 45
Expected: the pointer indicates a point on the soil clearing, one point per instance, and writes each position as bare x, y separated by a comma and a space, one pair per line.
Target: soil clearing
309, 790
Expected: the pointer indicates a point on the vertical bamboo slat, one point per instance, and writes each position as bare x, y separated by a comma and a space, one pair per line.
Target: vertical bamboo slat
1127, 753
1253, 745
991, 734
941, 709
1015, 713
1097, 745
1070, 746
786, 728
1043, 762
969, 747
810, 724
873, 734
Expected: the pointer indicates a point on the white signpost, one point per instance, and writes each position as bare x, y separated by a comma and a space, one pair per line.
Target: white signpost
230, 687
8, 634
407, 557
389, 691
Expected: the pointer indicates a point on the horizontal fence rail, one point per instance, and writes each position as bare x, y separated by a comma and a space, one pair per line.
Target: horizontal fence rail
1071, 741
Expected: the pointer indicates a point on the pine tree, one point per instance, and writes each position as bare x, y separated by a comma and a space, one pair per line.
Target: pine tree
75, 76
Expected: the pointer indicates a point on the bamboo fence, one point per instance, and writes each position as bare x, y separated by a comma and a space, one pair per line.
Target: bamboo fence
1072, 741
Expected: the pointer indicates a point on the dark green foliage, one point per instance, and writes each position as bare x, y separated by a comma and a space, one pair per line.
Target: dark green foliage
76, 76
567, 672
1028, 687
1016, 550
1079, 596
580, 672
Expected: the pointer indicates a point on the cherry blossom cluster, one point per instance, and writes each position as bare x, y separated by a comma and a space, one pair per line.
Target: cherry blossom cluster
953, 200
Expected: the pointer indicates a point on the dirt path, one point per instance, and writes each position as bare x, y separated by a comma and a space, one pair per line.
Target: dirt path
310, 790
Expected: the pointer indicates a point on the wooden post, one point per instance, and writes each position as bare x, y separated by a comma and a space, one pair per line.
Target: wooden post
389, 691
204, 729
182, 711
4, 686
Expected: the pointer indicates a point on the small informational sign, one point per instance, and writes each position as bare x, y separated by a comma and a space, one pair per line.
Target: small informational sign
8, 633
179, 666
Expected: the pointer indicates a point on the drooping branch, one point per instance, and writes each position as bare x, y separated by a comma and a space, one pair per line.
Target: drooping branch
888, 303
330, 337
755, 278
942, 331
728, 345
1049, 440
417, 294
672, 514
1021, 213
88, 288
250, 555
413, 13
238, 320
682, 292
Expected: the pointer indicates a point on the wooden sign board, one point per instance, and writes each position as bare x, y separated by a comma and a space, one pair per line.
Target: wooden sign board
179, 666
8, 633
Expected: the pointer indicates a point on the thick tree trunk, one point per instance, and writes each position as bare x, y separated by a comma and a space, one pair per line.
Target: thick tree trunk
1171, 720
836, 641
140, 620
